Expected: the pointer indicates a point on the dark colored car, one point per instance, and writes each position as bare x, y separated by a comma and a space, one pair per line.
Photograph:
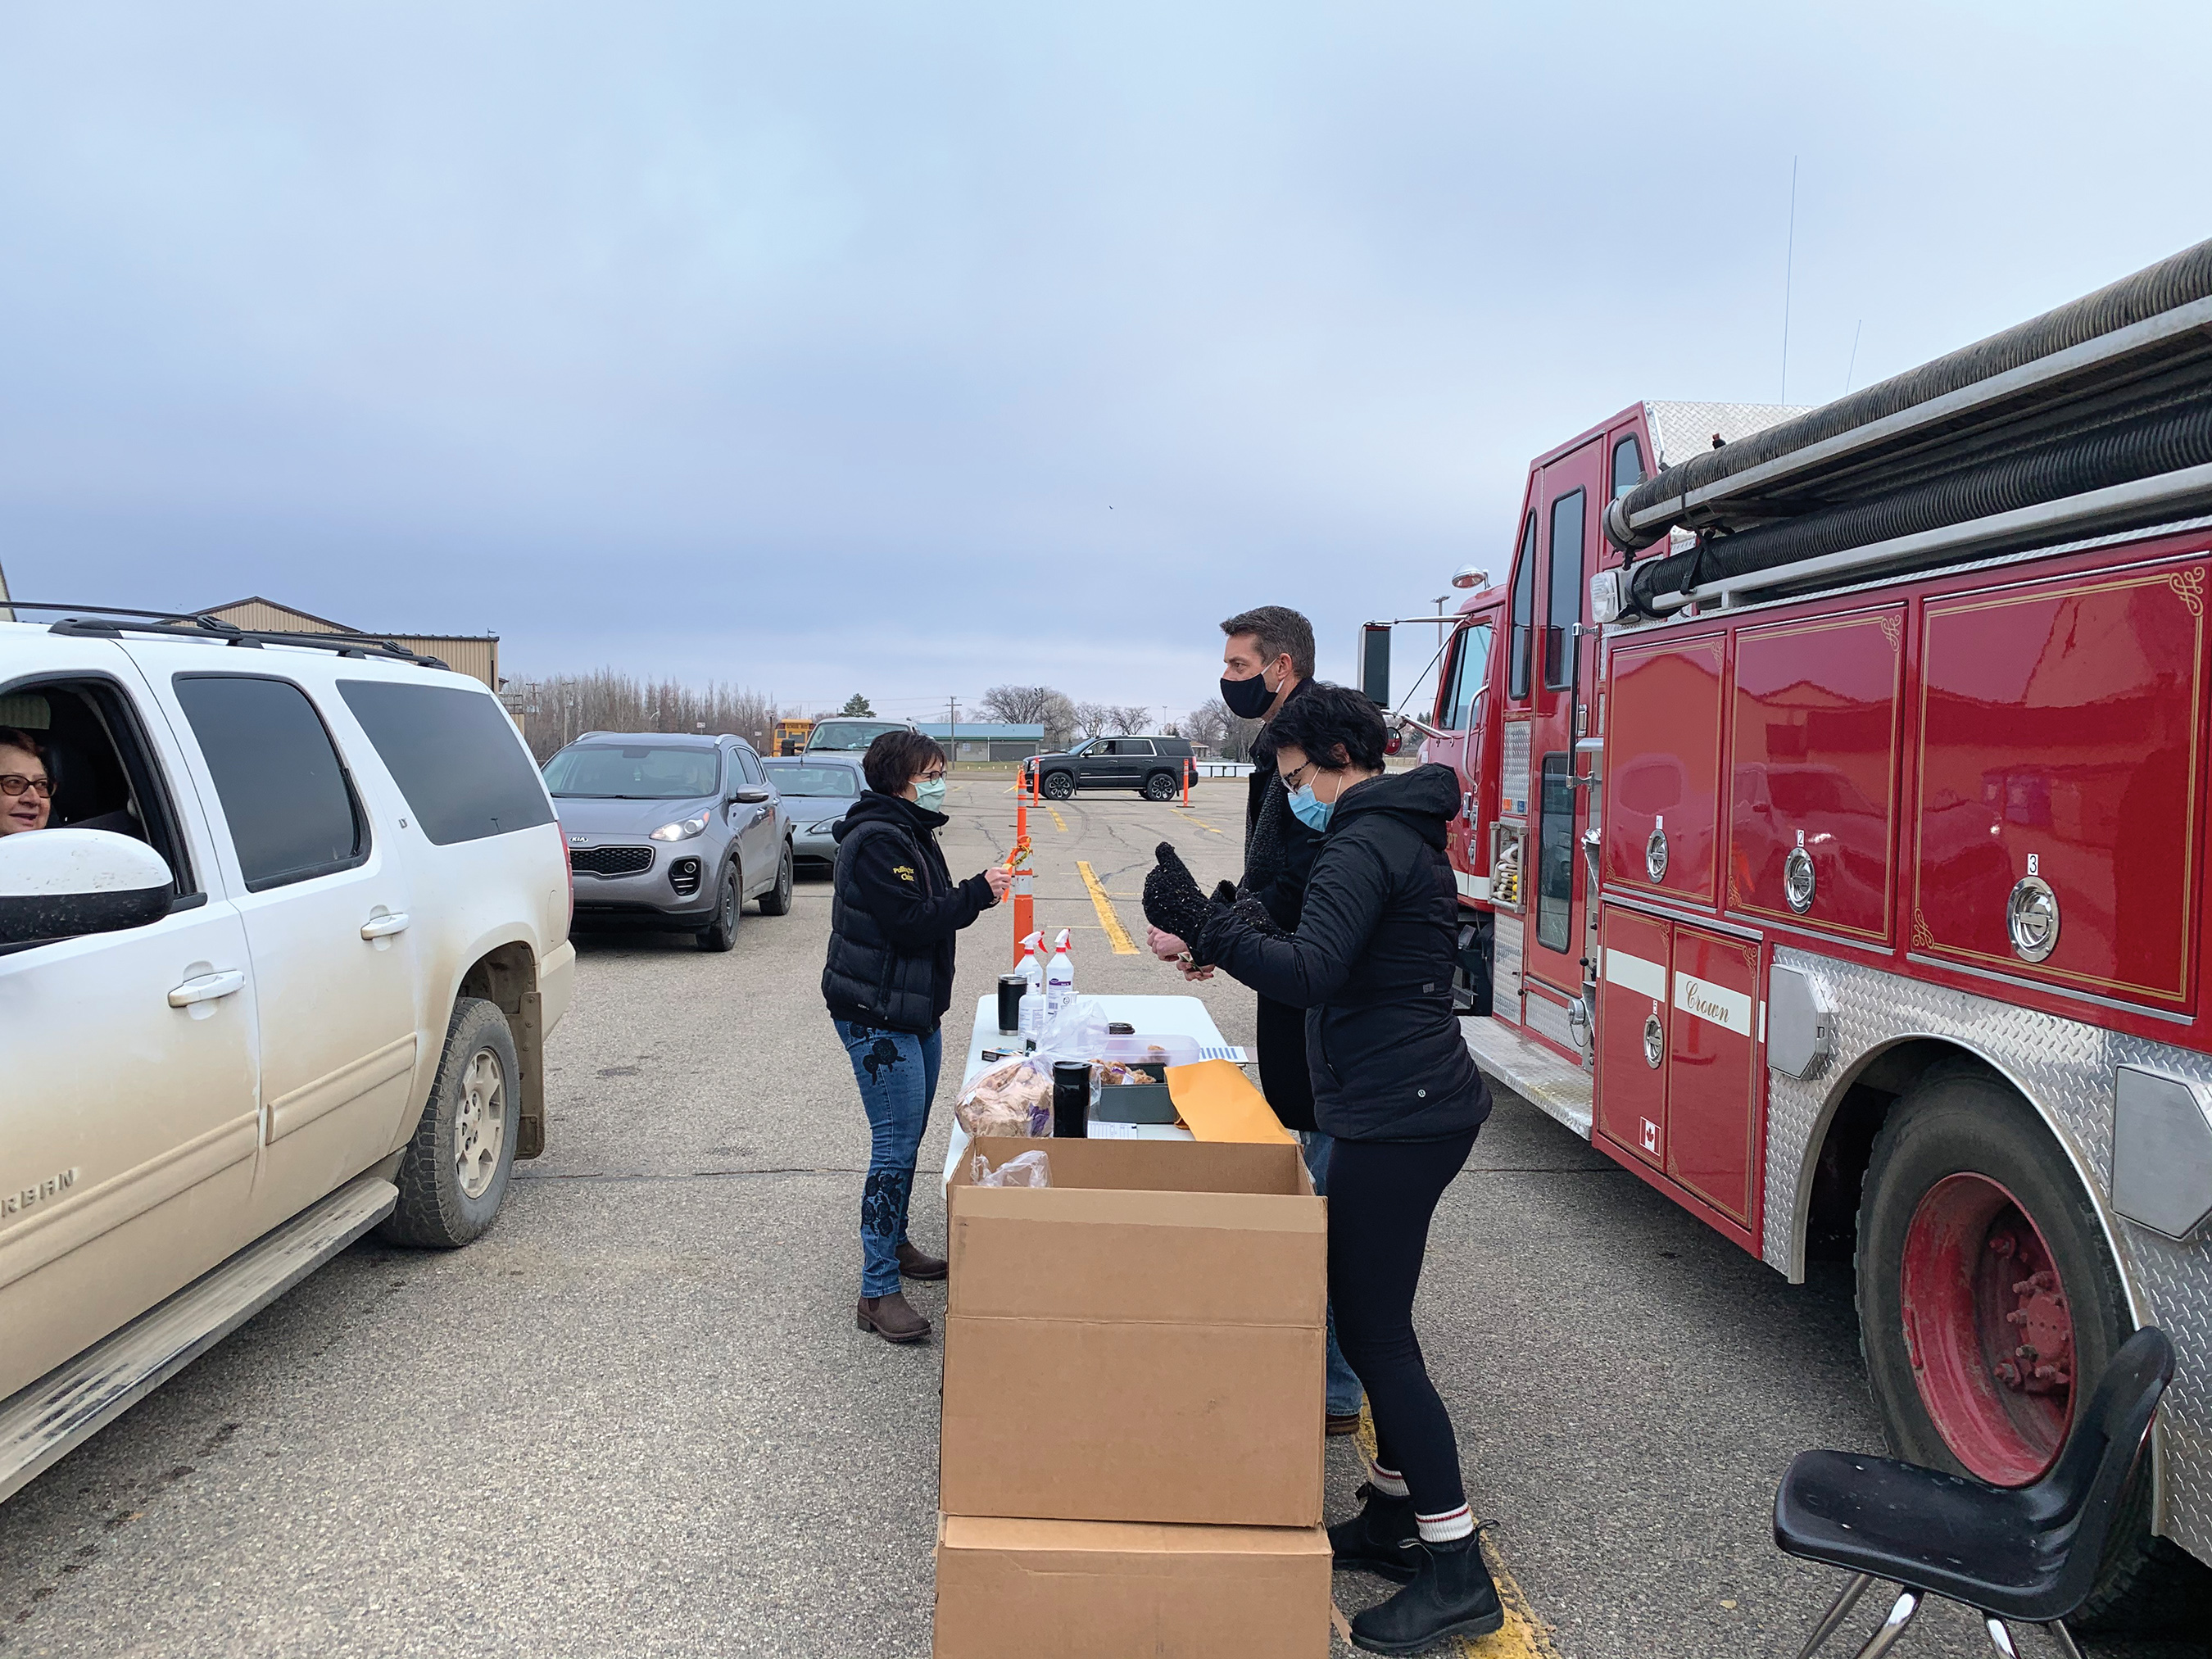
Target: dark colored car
670, 830
1153, 767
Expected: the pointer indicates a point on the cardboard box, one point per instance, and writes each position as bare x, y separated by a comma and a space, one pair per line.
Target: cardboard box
1093, 1589
1142, 1340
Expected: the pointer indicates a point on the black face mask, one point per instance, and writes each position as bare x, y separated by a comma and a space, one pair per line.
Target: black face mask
1247, 699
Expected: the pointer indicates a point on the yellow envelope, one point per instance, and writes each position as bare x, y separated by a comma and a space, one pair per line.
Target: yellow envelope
1217, 1102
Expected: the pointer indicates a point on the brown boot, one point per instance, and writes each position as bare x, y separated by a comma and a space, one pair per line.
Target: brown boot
913, 1264
890, 1317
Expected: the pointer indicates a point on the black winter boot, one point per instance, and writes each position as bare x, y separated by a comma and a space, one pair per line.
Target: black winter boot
1450, 1596
1383, 1538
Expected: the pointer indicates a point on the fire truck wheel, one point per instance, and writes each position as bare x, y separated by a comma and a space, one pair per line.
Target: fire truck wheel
1989, 1302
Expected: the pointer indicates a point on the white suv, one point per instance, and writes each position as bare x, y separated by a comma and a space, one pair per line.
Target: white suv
280, 970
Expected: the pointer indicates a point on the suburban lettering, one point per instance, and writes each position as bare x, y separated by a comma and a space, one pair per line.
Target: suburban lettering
24, 1198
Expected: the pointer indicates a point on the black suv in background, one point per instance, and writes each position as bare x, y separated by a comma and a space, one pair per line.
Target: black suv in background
1153, 767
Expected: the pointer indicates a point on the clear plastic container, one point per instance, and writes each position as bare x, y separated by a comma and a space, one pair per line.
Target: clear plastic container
1141, 1049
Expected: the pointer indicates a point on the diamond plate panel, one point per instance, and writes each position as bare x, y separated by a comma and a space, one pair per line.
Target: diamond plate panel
2064, 1068
1679, 430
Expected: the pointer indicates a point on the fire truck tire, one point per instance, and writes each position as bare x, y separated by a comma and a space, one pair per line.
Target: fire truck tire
1965, 1190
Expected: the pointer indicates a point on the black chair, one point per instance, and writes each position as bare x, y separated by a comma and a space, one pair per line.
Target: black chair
2028, 1554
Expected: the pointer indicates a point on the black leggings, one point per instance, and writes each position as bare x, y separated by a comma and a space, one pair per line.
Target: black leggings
1381, 1195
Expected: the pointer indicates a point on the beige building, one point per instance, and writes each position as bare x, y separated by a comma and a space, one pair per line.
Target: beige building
475, 655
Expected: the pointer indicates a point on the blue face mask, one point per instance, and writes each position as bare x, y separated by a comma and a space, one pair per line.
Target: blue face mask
1314, 814
929, 794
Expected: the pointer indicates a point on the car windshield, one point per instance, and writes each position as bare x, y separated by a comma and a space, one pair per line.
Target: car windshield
607, 771
798, 778
850, 734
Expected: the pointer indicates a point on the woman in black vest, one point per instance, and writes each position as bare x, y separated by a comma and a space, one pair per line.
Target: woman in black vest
888, 981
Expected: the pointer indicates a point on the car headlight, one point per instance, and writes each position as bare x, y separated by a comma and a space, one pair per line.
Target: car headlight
824, 827
682, 830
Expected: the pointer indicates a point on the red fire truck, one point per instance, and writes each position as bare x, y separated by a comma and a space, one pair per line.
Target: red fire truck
1834, 858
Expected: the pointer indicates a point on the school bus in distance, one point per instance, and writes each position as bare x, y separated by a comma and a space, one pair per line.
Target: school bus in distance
790, 736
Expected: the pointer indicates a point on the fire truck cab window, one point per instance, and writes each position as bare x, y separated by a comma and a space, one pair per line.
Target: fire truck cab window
1470, 669
1627, 465
1555, 853
1564, 600
1524, 611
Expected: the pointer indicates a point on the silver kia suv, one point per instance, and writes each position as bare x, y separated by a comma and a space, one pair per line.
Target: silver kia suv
671, 831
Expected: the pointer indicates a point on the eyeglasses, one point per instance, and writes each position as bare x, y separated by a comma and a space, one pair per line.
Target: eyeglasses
938, 776
15, 783
1309, 768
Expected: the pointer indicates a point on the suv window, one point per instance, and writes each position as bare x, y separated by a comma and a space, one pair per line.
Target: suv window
290, 805
105, 775
749, 766
1132, 746
454, 755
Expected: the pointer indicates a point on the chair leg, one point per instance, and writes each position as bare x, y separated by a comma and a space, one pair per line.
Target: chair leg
2000, 1636
1838, 1610
2064, 1638
1901, 1614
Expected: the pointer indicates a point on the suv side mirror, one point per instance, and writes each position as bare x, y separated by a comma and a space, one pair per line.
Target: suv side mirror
63, 883
752, 794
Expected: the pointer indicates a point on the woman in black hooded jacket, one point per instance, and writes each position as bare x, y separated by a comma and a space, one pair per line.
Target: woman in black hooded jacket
1371, 962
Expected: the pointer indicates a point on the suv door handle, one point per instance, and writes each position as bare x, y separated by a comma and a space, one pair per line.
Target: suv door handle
384, 926
206, 987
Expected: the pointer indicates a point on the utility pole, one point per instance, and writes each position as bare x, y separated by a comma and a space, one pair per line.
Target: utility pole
952, 730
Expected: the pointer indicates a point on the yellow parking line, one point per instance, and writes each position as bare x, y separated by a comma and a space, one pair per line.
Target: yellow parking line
1204, 825
1058, 823
1123, 945
1522, 1636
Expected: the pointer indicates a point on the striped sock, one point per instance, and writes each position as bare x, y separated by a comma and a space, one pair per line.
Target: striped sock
1388, 1482
1443, 1528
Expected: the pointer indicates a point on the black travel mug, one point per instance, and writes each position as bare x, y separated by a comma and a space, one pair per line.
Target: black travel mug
1071, 1099
1011, 987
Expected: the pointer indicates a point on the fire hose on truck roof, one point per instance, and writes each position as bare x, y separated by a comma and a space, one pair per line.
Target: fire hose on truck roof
2094, 417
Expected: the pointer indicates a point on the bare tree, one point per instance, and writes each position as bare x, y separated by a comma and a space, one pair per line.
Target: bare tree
559, 710
1129, 718
1211, 724
1092, 717
1058, 718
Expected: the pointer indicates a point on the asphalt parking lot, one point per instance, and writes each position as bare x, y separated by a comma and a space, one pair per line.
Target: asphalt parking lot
637, 1417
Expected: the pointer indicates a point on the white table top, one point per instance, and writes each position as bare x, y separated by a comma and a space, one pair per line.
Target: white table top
1152, 1016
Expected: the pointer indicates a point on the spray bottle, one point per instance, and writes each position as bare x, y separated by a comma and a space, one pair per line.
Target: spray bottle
1031, 968
1060, 974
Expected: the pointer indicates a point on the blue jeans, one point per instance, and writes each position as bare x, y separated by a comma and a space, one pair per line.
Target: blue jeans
1342, 1392
898, 1074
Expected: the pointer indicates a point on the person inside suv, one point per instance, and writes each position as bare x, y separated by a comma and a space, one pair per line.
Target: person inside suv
888, 981
26, 790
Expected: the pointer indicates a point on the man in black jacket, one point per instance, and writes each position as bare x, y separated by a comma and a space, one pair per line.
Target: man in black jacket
888, 981
1371, 962
1267, 664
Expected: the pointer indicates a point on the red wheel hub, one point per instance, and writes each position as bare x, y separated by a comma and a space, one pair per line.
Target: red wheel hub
1987, 1328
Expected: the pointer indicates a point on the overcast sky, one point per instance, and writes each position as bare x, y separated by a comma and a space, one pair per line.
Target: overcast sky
910, 349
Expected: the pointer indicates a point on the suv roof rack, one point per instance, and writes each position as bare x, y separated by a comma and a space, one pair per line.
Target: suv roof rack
201, 625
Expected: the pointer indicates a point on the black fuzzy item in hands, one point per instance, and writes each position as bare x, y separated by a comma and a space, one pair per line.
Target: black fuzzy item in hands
1173, 902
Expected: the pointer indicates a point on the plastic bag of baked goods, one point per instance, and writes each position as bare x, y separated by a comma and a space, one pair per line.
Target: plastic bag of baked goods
1030, 1170
1014, 1097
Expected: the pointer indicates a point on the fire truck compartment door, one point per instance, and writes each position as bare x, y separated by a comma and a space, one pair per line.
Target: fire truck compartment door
1712, 1075
1636, 1020
1813, 764
2061, 743
1662, 763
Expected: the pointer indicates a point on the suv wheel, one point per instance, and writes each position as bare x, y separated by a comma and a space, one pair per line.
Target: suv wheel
455, 1171
722, 932
1161, 786
776, 902
1057, 785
